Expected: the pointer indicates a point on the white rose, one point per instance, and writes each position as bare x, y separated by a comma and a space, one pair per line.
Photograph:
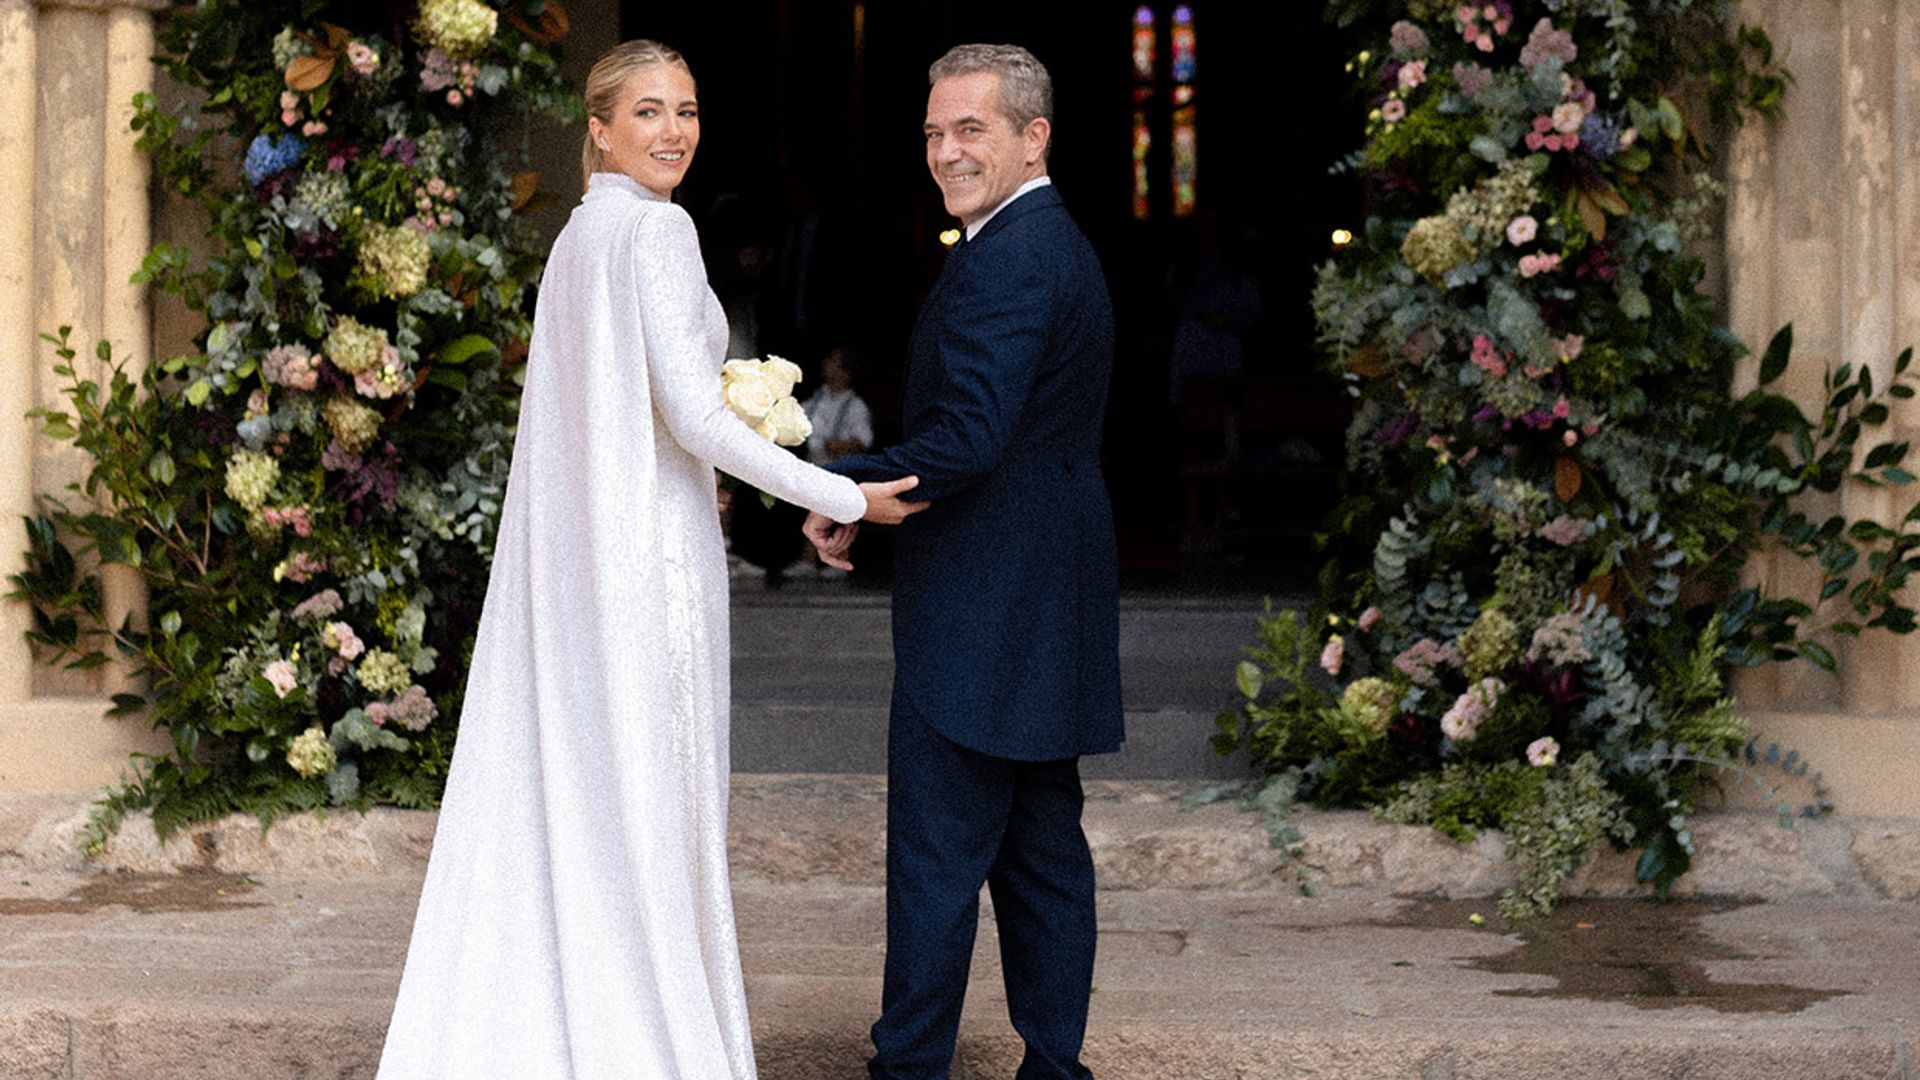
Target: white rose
749, 394
782, 374
787, 423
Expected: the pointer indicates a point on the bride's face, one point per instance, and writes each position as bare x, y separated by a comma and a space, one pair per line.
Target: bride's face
655, 128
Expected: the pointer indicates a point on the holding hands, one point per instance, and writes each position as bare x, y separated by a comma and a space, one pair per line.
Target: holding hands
884, 507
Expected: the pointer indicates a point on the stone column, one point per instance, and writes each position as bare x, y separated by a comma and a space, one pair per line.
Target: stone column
18, 319
79, 227
1822, 233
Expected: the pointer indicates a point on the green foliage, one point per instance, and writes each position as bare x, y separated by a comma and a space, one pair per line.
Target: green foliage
310, 495
1552, 500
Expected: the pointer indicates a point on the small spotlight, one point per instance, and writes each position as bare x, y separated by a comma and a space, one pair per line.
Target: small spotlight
950, 237
1341, 238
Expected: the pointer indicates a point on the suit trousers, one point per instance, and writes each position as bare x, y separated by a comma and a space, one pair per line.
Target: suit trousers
957, 818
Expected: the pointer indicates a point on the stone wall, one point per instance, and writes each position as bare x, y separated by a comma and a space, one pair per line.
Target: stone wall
1823, 231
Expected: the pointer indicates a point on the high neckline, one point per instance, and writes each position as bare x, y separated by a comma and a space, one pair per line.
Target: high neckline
618, 181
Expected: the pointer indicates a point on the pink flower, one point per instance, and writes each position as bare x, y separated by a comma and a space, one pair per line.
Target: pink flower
455, 97
1629, 137
1393, 111
1569, 437
1471, 78
313, 127
1551, 142
1565, 530
1560, 409
1486, 358
362, 57
1543, 124
340, 637
1333, 654
1484, 43
1412, 75
319, 605
1521, 230
1543, 751
1535, 140
378, 713
289, 117
1370, 618
1462, 720
1538, 263
280, 673
436, 187
1568, 348
1567, 117
1406, 39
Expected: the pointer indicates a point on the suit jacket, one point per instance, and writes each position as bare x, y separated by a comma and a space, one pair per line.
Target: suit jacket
1005, 595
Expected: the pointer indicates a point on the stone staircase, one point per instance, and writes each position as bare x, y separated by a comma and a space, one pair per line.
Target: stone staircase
226, 953
812, 672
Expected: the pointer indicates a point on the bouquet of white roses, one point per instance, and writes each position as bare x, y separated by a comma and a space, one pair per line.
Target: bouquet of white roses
761, 393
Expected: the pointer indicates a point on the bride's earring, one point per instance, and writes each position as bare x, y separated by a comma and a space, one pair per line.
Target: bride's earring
603, 144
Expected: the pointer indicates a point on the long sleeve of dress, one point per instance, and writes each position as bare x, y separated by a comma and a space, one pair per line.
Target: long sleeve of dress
685, 375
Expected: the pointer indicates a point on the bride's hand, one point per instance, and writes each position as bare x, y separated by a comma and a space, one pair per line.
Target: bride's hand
884, 505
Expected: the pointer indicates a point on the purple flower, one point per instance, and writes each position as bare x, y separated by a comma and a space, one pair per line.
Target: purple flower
402, 150
1399, 431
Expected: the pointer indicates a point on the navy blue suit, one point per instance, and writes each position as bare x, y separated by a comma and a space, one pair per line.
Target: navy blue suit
1006, 639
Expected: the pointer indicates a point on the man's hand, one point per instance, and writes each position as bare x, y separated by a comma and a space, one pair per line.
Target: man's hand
831, 539
884, 506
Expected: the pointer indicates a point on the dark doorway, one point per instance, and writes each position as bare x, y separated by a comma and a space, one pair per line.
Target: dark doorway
811, 167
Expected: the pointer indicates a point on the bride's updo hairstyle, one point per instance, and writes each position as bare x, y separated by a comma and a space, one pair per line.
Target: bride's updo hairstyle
610, 73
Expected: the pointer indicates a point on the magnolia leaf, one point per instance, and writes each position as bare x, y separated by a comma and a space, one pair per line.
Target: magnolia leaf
1610, 201
1367, 361
1566, 478
1594, 218
310, 72
524, 187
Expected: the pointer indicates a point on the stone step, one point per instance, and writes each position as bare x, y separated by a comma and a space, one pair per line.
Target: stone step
109, 977
831, 829
813, 674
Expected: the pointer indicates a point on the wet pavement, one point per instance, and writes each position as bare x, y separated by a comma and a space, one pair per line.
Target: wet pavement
137, 976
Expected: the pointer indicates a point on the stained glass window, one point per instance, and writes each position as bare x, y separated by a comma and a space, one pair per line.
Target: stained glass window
1142, 146
1183, 43
1146, 50
1146, 44
1186, 137
1174, 120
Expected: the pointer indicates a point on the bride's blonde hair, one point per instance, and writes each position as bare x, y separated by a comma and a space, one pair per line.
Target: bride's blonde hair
609, 74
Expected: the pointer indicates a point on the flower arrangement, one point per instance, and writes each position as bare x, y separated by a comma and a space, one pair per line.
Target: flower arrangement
1536, 574
311, 495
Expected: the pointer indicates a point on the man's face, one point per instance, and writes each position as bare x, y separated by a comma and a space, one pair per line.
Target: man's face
977, 155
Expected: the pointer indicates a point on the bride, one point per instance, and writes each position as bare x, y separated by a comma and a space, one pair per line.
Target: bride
576, 922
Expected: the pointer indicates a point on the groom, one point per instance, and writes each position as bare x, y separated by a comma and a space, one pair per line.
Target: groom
1005, 620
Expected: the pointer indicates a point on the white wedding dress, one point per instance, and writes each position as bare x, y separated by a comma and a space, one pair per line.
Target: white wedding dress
576, 922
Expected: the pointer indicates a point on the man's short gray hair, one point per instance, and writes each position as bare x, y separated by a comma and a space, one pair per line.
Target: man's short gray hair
1026, 90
